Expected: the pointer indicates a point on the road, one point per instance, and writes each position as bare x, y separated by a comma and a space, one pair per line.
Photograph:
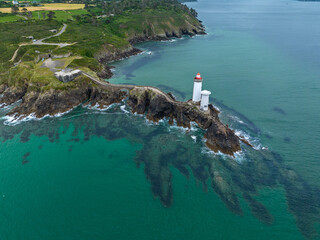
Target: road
40, 42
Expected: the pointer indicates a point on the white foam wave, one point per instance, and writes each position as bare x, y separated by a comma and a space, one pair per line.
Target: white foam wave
98, 108
253, 141
236, 119
123, 108
15, 119
5, 107
239, 156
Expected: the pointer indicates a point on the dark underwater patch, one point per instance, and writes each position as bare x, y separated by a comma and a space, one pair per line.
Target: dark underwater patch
279, 110
287, 139
162, 150
24, 159
70, 148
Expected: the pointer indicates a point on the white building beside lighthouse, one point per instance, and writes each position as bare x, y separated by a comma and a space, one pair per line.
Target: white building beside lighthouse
197, 87
204, 100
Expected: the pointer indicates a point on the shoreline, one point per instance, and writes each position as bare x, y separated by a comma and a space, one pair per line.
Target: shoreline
150, 101
106, 73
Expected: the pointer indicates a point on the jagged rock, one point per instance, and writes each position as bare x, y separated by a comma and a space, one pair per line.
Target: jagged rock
12, 95
158, 106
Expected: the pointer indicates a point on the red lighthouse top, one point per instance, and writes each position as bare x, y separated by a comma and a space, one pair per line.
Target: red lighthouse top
198, 77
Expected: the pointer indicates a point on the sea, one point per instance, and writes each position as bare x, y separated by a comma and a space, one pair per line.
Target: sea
109, 174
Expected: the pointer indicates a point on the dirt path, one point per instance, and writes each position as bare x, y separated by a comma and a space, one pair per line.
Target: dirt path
40, 42
24, 17
129, 87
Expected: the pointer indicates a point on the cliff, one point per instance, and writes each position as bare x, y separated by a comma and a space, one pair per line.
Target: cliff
150, 101
157, 106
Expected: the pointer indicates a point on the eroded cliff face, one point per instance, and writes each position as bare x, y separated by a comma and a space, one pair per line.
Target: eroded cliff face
108, 53
54, 101
150, 101
157, 106
166, 33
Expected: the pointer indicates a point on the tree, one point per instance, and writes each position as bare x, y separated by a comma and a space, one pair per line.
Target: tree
24, 11
51, 15
30, 15
14, 9
94, 21
86, 5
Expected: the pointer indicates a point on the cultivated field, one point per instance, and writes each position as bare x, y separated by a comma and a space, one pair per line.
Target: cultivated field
49, 7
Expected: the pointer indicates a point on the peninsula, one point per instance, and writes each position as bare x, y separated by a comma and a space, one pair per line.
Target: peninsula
37, 50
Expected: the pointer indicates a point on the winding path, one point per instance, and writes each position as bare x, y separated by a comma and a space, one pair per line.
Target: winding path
129, 87
40, 42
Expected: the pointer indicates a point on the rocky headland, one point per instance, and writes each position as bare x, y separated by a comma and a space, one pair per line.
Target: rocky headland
40, 96
152, 102
106, 55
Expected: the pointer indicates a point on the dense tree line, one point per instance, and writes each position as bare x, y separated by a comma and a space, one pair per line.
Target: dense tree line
117, 7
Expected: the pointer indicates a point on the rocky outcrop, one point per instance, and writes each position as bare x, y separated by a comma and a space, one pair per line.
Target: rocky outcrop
166, 35
12, 95
157, 106
108, 54
54, 101
150, 101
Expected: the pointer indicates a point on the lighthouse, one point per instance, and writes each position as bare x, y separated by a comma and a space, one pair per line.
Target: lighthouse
197, 87
204, 100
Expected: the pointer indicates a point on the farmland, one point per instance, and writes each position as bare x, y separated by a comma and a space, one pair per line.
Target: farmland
49, 7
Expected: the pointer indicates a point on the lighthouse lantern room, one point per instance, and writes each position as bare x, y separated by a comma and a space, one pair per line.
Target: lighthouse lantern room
197, 87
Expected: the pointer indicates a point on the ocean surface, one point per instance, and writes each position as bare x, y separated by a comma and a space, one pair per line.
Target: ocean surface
91, 174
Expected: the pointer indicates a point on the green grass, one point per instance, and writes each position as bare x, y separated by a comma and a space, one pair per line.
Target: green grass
90, 63
38, 78
12, 35
89, 39
9, 18
28, 53
150, 22
60, 15
106, 35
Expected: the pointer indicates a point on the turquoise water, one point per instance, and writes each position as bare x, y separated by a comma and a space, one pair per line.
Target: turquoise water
112, 175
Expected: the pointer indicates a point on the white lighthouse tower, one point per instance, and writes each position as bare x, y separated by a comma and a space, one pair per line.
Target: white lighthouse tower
197, 87
204, 100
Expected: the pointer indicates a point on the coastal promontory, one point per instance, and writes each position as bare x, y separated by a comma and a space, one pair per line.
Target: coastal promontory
87, 43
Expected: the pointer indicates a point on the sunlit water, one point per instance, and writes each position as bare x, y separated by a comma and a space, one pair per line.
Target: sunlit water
76, 176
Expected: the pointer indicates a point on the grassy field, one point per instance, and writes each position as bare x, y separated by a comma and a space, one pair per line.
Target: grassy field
94, 38
10, 18
60, 15
12, 34
49, 7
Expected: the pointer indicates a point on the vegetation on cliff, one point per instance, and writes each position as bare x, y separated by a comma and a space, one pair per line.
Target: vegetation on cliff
102, 32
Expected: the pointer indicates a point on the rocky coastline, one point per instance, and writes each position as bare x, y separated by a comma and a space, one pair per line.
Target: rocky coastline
150, 101
106, 57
